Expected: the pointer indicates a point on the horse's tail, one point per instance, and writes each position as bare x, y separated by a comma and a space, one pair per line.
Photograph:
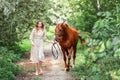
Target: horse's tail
82, 41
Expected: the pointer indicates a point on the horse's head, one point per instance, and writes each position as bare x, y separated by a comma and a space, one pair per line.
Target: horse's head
60, 31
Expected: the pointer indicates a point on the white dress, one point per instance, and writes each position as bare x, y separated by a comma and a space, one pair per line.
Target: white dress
37, 53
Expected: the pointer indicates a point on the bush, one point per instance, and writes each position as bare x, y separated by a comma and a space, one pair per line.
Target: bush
103, 68
8, 70
9, 54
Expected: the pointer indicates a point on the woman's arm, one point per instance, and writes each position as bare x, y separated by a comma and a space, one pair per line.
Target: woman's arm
45, 39
31, 37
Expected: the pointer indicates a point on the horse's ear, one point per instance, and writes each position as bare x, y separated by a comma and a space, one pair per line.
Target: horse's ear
64, 24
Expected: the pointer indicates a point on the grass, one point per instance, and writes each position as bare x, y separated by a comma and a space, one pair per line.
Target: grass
37, 78
80, 60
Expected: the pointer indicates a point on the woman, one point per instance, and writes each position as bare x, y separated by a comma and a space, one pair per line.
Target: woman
37, 55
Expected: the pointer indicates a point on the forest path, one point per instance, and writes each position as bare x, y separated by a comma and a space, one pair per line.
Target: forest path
52, 69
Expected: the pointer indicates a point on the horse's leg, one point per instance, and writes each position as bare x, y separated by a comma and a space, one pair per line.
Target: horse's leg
64, 57
74, 55
69, 57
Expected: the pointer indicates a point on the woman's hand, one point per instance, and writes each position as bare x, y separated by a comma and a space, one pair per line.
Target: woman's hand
33, 44
52, 42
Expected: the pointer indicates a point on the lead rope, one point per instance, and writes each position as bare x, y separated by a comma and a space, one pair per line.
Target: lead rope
55, 53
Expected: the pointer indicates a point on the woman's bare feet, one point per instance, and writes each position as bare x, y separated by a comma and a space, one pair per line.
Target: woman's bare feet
41, 72
36, 73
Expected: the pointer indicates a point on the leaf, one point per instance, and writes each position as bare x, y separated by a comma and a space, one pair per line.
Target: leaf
102, 47
116, 41
109, 45
117, 53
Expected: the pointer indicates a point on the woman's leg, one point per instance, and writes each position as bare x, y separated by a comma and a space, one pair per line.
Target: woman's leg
40, 67
36, 68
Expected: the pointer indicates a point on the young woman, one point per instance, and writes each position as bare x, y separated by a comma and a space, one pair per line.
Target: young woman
37, 37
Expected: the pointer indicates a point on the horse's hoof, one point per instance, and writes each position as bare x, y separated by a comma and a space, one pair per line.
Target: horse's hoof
67, 70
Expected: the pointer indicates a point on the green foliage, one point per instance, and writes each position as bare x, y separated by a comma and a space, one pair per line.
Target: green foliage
9, 54
8, 70
50, 33
106, 31
25, 45
102, 54
60, 10
106, 28
37, 78
18, 17
83, 17
105, 68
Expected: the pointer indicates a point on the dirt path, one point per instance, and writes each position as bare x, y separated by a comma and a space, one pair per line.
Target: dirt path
53, 69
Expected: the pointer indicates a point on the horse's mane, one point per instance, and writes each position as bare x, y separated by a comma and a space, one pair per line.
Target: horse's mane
70, 29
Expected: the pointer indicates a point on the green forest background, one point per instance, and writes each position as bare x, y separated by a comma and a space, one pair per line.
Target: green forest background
97, 20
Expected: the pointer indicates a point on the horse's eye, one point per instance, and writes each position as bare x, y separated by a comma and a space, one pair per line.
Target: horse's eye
60, 30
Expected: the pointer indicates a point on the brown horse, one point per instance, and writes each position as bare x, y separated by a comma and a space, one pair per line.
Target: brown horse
67, 38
